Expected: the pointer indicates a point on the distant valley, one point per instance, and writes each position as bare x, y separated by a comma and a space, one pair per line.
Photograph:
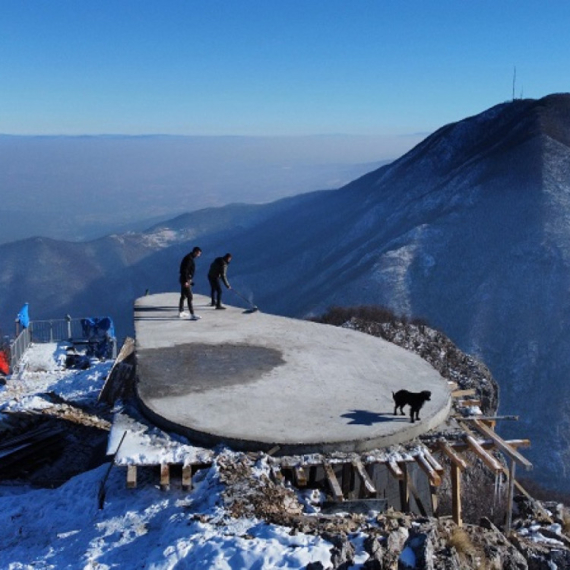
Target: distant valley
79, 188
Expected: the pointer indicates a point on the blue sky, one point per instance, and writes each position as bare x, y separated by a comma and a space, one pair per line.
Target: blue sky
269, 67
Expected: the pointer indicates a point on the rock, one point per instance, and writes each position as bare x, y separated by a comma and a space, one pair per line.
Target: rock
342, 553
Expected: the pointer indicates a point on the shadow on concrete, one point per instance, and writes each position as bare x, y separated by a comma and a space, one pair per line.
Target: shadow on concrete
151, 318
154, 309
366, 418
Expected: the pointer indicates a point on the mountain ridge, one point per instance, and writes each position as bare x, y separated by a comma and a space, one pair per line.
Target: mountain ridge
469, 230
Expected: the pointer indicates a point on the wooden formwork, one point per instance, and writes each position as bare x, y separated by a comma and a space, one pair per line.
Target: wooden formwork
356, 475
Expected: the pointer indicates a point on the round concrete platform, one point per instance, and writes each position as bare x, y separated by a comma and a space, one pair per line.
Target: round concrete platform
255, 381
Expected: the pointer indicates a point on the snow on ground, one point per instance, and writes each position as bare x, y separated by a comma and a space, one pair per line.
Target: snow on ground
142, 528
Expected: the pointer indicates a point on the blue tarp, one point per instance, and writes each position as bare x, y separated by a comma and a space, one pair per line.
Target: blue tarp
100, 332
23, 316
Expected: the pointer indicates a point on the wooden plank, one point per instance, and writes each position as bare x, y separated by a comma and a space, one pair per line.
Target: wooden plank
131, 476
489, 418
503, 445
164, 476
300, 476
487, 459
452, 385
118, 374
395, 469
489, 443
456, 494
453, 456
333, 482
187, 477
404, 488
364, 477
417, 497
433, 462
469, 403
510, 496
433, 476
434, 501
460, 393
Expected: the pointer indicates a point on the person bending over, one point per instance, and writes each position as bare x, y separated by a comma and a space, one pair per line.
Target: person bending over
216, 275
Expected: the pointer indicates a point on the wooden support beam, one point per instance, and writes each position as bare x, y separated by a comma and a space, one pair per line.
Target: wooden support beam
461, 393
488, 443
433, 462
434, 501
333, 482
503, 445
364, 477
411, 487
395, 469
131, 476
456, 494
487, 459
433, 476
404, 488
453, 456
300, 476
510, 496
469, 403
164, 476
187, 477
452, 385
479, 418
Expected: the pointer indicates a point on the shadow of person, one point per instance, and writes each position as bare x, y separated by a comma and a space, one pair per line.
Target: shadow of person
366, 418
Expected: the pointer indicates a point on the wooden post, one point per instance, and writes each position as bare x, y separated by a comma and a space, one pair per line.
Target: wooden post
434, 501
164, 476
333, 482
131, 476
404, 489
510, 497
300, 476
187, 477
367, 487
456, 494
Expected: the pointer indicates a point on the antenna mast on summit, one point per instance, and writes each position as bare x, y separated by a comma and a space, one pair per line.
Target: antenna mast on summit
514, 80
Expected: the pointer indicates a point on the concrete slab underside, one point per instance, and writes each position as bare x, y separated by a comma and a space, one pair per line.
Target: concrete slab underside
254, 381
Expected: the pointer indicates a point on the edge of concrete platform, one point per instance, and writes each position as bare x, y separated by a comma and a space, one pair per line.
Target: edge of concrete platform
359, 445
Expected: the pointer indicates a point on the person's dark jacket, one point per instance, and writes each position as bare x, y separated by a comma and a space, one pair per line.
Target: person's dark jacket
218, 270
187, 269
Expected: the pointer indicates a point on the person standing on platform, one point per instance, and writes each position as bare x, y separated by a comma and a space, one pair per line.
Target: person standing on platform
187, 270
216, 275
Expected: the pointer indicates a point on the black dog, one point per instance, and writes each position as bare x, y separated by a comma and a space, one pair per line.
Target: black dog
414, 399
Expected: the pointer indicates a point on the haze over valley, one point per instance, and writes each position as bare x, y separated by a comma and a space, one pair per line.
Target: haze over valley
81, 188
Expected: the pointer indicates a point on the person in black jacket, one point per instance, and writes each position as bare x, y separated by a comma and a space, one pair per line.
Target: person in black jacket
187, 270
217, 274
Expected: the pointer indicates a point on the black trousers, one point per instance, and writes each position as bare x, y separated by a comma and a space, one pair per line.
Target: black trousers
216, 290
185, 293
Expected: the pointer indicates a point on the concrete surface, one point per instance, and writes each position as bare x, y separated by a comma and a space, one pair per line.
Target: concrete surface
254, 381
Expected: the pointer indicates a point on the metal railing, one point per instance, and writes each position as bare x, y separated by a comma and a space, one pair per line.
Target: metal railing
54, 330
18, 347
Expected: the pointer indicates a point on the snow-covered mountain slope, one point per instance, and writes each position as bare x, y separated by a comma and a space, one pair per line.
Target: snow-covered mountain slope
468, 230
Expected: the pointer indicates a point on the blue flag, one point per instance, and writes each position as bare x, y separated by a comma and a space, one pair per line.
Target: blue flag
24, 317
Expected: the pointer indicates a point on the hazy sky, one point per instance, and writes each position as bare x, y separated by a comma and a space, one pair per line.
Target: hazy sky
272, 67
